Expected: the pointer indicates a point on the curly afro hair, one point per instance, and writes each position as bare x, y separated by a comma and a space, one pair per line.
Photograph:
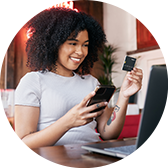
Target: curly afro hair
50, 29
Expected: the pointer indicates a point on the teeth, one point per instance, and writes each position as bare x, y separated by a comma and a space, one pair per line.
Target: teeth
75, 59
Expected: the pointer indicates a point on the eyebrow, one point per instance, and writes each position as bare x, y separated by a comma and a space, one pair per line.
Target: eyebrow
73, 39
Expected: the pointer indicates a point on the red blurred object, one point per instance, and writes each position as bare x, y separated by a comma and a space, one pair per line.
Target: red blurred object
131, 126
68, 4
144, 37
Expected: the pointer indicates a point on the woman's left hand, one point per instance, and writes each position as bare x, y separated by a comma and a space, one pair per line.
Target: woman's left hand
132, 82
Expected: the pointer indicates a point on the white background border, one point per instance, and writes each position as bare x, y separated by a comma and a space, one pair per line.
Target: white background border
14, 14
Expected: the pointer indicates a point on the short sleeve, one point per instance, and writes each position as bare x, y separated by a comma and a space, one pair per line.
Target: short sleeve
28, 91
92, 81
95, 81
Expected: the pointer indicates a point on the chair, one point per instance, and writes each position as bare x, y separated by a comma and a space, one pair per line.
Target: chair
131, 126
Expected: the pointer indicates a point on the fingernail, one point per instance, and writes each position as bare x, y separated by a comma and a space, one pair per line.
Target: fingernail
93, 93
105, 103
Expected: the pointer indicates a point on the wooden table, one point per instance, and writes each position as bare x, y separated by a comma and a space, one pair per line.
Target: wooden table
75, 156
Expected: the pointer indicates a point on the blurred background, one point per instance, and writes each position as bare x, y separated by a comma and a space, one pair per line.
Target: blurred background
124, 32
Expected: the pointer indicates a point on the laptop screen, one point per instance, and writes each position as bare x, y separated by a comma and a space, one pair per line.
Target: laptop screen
154, 104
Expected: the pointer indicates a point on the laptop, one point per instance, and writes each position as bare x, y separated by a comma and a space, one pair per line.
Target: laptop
153, 109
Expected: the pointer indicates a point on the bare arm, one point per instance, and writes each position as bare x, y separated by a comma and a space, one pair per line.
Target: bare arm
26, 120
110, 123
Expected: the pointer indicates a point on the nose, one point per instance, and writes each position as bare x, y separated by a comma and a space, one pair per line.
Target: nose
79, 50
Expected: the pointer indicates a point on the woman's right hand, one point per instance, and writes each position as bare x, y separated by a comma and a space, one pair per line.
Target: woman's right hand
82, 114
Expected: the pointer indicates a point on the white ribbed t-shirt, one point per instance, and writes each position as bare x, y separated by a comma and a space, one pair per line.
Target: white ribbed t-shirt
55, 95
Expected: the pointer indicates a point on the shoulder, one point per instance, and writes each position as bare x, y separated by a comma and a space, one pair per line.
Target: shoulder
28, 91
30, 80
30, 75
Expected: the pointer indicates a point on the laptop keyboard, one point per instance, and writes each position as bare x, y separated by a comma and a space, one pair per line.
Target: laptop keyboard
122, 149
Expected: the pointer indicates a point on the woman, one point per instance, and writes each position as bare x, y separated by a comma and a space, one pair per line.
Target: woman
50, 101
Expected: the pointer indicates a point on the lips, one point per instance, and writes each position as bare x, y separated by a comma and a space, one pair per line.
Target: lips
75, 60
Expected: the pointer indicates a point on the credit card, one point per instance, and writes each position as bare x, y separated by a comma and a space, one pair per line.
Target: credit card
129, 63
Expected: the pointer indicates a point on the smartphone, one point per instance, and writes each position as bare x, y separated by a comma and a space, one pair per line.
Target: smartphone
103, 94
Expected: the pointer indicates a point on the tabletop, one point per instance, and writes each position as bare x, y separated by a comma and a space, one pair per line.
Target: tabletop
74, 156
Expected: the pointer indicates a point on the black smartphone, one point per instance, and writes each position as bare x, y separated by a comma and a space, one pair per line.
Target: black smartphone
103, 94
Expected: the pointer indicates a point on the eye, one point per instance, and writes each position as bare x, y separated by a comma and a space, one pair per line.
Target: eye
86, 45
72, 44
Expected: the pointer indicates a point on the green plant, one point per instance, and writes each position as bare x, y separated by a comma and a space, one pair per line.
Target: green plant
107, 61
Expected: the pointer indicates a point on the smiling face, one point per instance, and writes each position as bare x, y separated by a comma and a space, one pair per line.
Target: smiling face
72, 53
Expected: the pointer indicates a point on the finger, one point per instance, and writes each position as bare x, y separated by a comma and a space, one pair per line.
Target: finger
135, 77
137, 72
87, 98
137, 69
88, 120
94, 115
96, 106
133, 80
